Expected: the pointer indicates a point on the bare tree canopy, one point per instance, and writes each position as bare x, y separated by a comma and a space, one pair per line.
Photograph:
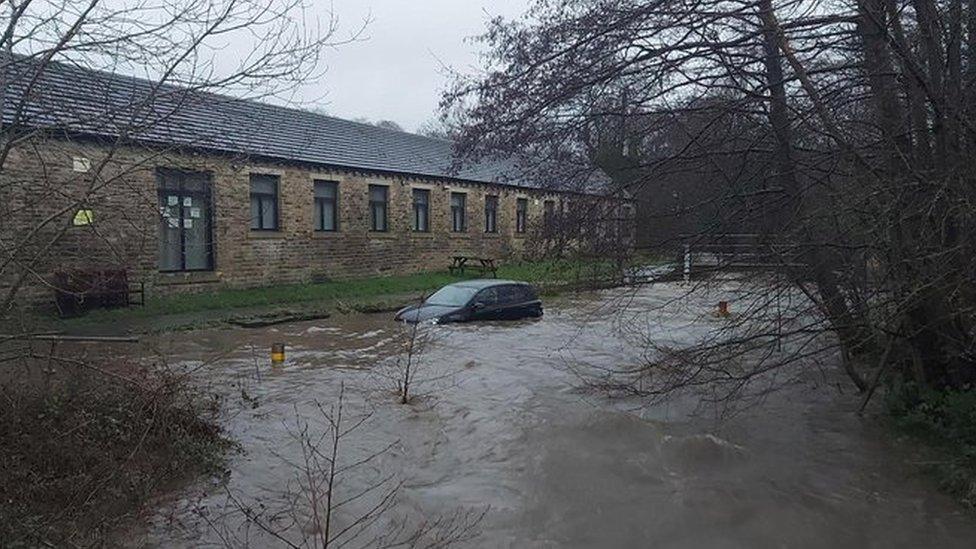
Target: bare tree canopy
177, 47
841, 130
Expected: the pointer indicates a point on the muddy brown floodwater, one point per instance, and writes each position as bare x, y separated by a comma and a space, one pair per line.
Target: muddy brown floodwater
508, 431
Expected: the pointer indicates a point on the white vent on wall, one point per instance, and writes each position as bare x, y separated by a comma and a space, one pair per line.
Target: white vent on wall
81, 164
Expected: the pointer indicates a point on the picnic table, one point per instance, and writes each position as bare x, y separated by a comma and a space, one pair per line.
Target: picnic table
80, 290
485, 265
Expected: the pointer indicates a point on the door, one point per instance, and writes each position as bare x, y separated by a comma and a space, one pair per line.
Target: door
486, 305
185, 221
510, 302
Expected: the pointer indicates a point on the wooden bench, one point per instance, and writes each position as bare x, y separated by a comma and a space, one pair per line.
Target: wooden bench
485, 265
79, 291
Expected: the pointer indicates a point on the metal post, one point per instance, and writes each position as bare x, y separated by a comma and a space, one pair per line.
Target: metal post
687, 262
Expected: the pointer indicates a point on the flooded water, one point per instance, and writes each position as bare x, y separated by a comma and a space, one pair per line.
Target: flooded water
504, 429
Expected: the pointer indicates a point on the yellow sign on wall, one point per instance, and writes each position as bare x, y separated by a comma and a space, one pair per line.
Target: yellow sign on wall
83, 217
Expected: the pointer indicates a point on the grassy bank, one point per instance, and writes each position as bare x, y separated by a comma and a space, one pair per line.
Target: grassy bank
378, 293
945, 423
81, 455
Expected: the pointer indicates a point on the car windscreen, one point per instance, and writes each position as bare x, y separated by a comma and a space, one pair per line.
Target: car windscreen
452, 296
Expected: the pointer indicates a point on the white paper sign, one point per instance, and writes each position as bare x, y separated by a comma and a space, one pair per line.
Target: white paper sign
187, 223
172, 200
187, 201
173, 223
195, 213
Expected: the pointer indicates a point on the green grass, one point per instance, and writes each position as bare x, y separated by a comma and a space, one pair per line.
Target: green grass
341, 294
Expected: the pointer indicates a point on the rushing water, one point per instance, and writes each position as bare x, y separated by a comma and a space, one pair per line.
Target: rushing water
505, 430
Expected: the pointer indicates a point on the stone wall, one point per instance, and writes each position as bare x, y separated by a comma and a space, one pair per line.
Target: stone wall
46, 182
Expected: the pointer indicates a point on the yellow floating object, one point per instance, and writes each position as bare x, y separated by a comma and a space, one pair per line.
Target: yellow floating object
277, 353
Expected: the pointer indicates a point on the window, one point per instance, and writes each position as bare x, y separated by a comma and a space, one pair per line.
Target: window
377, 207
454, 296
510, 295
264, 202
326, 205
488, 296
491, 214
421, 210
549, 213
185, 223
521, 214
457, 212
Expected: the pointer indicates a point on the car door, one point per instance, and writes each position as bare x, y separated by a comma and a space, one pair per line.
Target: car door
485, 305
507, 302
528, 302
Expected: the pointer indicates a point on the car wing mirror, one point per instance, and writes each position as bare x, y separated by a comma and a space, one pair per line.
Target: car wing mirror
478, 305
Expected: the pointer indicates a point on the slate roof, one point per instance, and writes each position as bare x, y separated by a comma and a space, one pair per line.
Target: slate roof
66, 98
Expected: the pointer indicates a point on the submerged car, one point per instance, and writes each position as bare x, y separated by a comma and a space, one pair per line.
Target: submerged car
476, 300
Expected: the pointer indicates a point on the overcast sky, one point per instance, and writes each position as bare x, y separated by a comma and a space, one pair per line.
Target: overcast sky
395, 72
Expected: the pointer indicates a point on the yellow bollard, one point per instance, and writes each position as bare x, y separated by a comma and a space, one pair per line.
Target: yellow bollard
277, 353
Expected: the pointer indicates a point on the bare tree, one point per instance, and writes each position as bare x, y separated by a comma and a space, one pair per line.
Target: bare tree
323, 510
847, 126
177, 46
405, 371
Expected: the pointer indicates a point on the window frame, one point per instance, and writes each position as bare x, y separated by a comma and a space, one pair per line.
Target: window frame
521, 215
373, 226
417, 206
491, 214
275, 196
206, 197
320, 201
462, 209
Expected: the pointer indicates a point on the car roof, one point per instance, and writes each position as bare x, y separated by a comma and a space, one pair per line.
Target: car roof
480, 283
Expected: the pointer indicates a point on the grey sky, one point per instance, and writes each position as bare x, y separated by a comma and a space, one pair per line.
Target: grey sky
396, 72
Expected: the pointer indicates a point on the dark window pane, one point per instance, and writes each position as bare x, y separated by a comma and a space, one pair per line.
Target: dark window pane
491, 214
421, 210
269, 212
421, 196
521, 214
264, 184
458, 212
170, 244
488, 296
377, 207
377, 193
510, 295
327, 216
264, 202
196, 233
326, 205
325, 189
255, 212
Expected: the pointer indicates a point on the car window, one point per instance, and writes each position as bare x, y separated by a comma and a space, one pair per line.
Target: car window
488, 296
452, 296
511, 294
522, 294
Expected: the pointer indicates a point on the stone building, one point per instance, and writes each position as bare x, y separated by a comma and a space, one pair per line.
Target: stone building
187, 190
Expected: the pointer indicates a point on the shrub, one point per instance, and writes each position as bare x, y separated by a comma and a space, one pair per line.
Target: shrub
78, 455
946, 420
